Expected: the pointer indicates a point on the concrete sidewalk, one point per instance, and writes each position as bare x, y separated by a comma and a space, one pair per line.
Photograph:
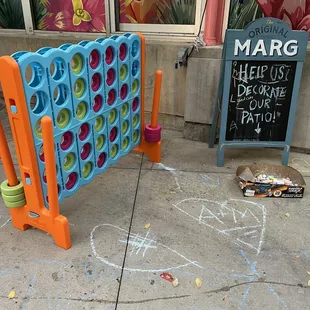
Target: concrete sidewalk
246, 252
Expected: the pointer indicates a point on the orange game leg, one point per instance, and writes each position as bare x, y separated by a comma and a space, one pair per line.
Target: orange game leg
34, 212
152, 149
59, 226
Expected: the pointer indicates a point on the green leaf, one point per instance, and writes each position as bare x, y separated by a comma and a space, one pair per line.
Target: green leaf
179, 12
242, 14
39, 11
11, 14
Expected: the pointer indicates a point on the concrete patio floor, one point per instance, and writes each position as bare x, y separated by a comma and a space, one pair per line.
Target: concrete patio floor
260, 261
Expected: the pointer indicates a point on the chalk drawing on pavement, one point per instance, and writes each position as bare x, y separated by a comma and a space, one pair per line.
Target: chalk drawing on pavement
241, 220
142, 247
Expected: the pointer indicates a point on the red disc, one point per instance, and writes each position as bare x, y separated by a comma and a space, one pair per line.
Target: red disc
109, 55
95, 82
66, 140
124, 91
122, 52
84, 131
71, 180
85, 151
94, 59
110, 76
97, 105
101, 160
135, 104
111, 97
113, 134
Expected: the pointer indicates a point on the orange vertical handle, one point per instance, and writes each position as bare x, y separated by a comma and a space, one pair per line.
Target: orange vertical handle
50, 165
156, 98
7, 159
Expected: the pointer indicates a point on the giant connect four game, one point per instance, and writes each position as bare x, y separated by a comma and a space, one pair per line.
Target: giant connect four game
93, 95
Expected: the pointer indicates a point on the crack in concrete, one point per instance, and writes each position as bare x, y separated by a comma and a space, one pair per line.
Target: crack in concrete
216, 291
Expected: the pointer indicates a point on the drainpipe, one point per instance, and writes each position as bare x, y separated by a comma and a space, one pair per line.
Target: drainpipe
213, 22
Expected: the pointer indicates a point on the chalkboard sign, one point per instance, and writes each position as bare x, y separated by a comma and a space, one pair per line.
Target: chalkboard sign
258, 89
259, 100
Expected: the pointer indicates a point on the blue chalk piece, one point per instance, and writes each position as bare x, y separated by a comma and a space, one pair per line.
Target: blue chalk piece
91, 91
28, 181
13, 109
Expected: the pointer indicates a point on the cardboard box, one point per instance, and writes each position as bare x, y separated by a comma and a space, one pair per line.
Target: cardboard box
246, 178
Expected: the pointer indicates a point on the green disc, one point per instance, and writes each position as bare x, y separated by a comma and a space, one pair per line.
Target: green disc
123, 72
124, 110
100, 142
14, 198
99, 123
135, 136
114, 151
38, 129
87, 170
11, 190
135, 120
79, 87
63, 118
125, 143
112, 116
135, 86
77, 63
125, 127
16, 204
81, 110
68, 161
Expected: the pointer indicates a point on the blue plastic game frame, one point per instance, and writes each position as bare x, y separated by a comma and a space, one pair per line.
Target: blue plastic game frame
53, 88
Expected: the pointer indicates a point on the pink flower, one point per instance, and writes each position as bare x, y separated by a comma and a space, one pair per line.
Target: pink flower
295, 12
75, 15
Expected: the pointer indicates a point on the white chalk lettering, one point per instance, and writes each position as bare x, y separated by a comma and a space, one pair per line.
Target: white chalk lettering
233, 125
264, 90
254, 104
248, 117
268, 117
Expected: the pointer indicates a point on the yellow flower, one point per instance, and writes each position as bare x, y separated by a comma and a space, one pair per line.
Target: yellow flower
79, 13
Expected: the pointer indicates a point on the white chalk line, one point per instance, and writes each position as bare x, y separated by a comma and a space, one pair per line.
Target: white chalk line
302, 160
105, 261
212, 215
140, 242
8, 220
173, 171
224, 205
241, 228
250, 232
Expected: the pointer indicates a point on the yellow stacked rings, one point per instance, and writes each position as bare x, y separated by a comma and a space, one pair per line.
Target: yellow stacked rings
13, 196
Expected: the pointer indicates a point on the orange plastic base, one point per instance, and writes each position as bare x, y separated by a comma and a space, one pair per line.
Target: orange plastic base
57, 227
153, 150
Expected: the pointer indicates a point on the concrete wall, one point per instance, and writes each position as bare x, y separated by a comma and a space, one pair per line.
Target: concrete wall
160, 55
188, 94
